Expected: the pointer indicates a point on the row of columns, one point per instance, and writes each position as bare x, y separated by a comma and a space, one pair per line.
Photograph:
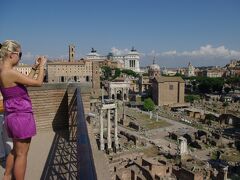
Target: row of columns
109, 140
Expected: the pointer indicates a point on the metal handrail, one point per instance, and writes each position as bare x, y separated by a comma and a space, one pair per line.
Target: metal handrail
85, 163
70, 156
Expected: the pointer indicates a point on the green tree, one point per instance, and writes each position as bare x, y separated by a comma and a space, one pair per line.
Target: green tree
107, 72
117, 73
208, 85
192, 98
217, 84
227, 90
130, 72
148, 104
204, 86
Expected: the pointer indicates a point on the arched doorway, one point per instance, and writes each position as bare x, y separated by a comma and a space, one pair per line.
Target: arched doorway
125, 97
119, 94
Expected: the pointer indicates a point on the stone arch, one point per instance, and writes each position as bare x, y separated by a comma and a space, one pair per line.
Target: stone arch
75, 78
119, 94
125, 96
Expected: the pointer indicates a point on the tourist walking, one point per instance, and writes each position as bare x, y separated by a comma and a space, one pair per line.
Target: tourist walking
18, 113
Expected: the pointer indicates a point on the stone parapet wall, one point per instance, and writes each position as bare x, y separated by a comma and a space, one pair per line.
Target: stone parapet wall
50, 104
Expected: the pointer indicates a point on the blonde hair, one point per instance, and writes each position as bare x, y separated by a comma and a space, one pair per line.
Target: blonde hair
8, 46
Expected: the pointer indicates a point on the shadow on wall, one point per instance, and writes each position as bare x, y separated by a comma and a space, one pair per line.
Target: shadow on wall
62, 158
60, 120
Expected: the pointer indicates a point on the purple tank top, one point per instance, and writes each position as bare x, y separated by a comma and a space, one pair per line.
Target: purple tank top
16, 99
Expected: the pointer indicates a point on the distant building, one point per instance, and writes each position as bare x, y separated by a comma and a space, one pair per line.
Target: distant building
74, 71
215, 72
181, 71
71, 53
129, 61
191, 70
24, 68
233, 63
168, 90
144, 85
169, 71
154, 70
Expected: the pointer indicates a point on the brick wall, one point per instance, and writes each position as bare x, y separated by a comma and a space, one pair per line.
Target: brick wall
50, 104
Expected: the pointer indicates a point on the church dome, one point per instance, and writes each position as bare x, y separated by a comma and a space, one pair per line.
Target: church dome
154, 67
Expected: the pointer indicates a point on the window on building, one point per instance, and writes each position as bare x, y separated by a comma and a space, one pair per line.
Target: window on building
87, 78
170, 87
62, 78
75, 78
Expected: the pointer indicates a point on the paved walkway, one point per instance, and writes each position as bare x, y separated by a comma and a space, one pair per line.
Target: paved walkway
38, 154
100, 159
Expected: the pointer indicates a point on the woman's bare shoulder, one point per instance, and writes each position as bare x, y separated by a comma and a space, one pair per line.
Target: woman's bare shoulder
8, 72
8, 76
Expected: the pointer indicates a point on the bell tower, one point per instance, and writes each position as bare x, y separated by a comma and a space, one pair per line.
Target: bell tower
71, 53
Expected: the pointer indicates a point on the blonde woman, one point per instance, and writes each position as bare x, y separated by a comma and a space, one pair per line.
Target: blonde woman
18, 113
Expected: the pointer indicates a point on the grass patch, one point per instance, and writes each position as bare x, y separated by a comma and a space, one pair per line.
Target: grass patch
145, 121
156, 124
231, 155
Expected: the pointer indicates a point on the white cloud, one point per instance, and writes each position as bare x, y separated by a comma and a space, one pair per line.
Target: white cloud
119, 52
169, 53
203, 56
153, 53
235, 54
28, 56
205, 51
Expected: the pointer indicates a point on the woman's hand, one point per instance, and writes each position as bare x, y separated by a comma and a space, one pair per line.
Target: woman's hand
41, 60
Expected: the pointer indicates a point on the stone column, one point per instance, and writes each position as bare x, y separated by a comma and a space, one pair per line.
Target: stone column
109, 129
124, 111
115, 129
123, 94
101, 131
115, 94
127, 90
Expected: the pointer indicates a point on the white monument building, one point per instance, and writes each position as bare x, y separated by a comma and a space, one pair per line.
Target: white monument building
129, 61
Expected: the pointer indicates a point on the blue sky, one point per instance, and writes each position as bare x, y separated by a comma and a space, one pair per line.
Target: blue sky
205, 32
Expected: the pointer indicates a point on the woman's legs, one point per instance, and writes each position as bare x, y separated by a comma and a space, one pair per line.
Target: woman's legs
17, 159
9, 165
20, 163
